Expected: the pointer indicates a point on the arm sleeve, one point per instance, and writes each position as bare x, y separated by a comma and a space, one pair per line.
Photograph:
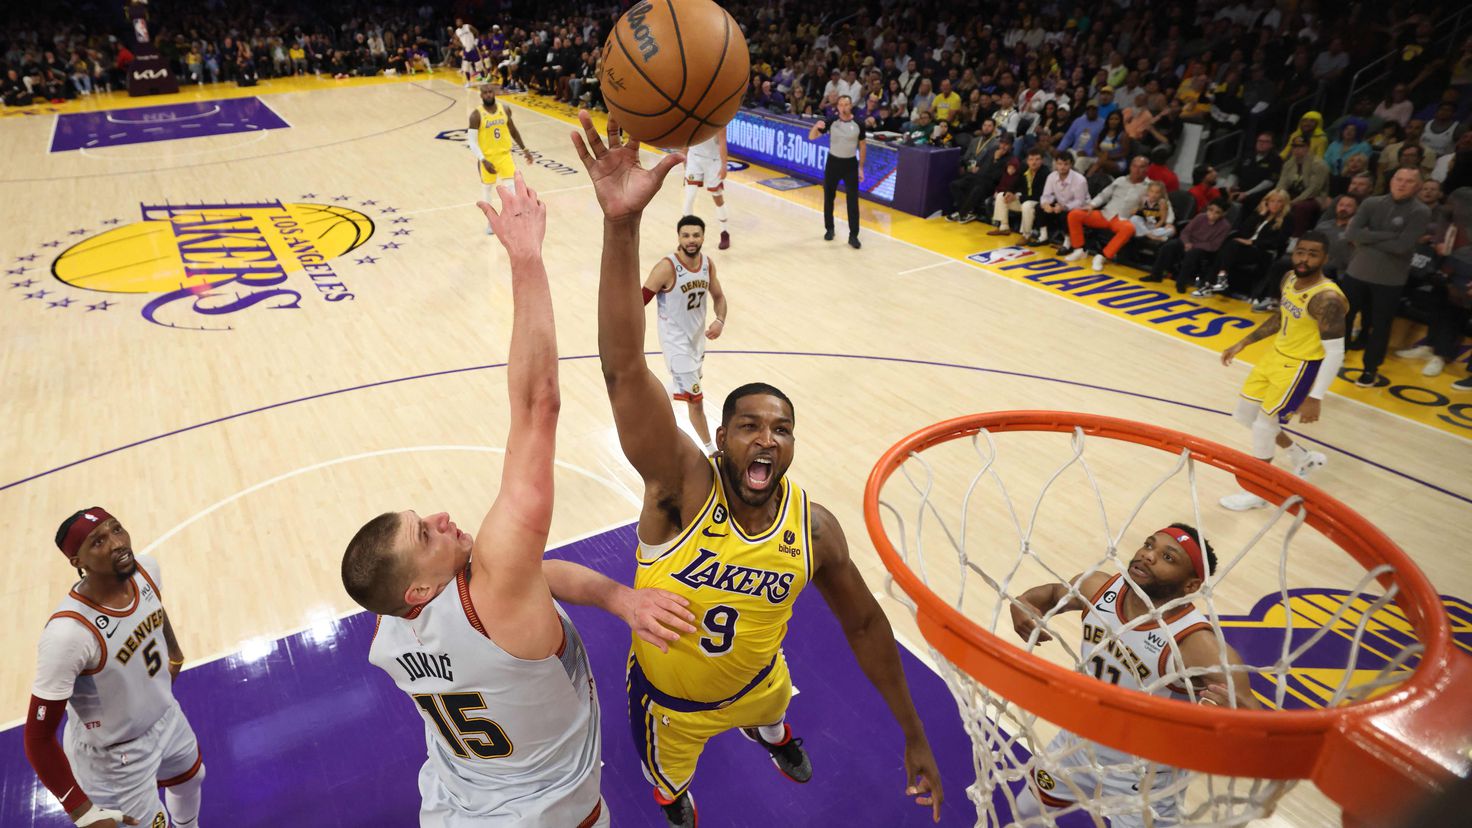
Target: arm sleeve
1329, 368
44, 753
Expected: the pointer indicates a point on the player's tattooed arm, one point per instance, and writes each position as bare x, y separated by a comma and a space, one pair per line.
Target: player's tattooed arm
872, 640
1268, 327
1329, 311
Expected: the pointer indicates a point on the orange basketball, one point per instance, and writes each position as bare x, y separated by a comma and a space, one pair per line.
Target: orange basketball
674, 71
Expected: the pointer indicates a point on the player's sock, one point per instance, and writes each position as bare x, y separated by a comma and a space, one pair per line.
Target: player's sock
183, 800
1296, 455
721, 216
772, 734
690, 191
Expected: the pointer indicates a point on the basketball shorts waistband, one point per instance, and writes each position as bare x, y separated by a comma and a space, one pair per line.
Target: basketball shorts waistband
640, 685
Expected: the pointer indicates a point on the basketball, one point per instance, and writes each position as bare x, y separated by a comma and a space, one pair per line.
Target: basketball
674, 71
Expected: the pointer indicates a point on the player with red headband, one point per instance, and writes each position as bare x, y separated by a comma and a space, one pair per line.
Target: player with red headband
108, 658
1128, 641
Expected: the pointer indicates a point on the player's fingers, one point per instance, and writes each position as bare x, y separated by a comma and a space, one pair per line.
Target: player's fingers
595, 141
674, 622
655, 641
581, 148
518, 184
678, 607
615, 133
490, 212
678, 599
667, 163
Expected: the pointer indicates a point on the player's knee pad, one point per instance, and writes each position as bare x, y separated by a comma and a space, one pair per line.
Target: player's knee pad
1265, 435
1246, 412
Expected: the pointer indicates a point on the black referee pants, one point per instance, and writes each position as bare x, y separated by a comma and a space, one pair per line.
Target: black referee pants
847, 171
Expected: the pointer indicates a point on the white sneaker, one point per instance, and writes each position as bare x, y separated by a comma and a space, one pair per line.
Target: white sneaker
1310, 461
490, 231
1074, 255
1098, 262
1433, 367
1243, 502
1418, 352
1043, 236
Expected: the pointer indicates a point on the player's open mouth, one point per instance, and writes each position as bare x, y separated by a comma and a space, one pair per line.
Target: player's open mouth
123, 559
1138, 571
759, 473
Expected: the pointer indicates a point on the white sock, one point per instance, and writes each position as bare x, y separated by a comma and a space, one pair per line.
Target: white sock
1297, 454
721, 216
772, 734
690, 191
183, 800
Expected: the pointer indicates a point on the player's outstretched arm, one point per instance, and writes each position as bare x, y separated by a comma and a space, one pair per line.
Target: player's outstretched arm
872, 640
1268, 327
516, 135
645, 421
507, 558
656, 616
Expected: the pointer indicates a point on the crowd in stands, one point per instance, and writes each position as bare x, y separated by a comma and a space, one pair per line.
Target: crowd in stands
1069, 116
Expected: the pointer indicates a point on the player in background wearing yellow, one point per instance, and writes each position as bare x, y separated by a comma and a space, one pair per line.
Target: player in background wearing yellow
731, 534
1293, 377
491, 133
683, 280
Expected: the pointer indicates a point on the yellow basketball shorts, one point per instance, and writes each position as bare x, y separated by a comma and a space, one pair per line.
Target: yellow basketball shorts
670, 742
1280, 383
505, 168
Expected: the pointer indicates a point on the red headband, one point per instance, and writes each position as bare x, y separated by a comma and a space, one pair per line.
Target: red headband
81, 528
1192, 548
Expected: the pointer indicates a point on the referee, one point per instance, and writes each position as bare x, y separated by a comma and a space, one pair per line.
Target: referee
845, 163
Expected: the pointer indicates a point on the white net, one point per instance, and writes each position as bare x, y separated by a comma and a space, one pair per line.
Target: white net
1312, 628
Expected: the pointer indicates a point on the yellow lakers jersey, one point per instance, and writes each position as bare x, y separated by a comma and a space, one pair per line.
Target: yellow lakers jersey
1298, 333
741, 589
493, 136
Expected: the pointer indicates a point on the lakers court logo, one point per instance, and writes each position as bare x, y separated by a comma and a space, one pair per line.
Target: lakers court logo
205, 266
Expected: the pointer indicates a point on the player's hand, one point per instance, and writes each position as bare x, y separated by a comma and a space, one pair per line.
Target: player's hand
1217, 695
624, 188
527, 154
656, 616
488, 166
522, 222
102, 817
715, 329
822, 124
861, 172
1308, 411
922, 778
1231, 353
1024, 622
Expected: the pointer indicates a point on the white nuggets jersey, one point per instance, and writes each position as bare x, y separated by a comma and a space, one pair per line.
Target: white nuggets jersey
467, 37
709, 150
129, 688
682, 316
511, 741
1137, 657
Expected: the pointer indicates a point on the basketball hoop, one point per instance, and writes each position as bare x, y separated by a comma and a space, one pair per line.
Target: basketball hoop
1375, 749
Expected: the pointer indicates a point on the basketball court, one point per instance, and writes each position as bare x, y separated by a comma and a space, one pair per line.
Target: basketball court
242, 432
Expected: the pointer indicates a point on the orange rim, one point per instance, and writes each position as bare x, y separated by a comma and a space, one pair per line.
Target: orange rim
1372, 756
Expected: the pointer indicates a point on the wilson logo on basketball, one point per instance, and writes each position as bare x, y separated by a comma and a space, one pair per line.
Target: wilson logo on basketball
200, 266
643, 37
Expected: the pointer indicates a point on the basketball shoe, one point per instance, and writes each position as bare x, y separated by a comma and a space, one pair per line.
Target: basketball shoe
679, 812
1304, 462
787, 755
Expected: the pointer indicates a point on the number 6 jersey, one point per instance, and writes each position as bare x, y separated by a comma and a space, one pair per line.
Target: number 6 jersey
512, 741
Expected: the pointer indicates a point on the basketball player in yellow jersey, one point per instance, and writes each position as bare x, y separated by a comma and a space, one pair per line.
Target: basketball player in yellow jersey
1308, 350
491, 134
731, 534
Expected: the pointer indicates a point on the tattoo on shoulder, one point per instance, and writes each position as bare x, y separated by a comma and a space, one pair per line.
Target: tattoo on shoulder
1329, 310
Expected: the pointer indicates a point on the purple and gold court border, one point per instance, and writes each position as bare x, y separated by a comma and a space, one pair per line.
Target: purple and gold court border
166, 122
